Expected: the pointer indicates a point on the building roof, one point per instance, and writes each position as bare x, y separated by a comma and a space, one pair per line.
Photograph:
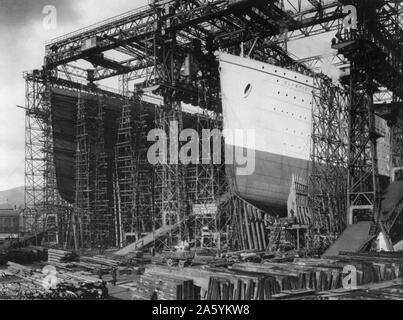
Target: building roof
6, 206
7, 212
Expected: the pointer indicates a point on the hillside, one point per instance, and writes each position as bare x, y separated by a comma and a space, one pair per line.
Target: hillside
14, 197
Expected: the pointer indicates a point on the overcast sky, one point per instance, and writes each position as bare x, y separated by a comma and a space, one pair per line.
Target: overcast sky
22, 41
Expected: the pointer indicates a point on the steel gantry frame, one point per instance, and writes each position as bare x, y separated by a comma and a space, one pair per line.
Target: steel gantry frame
329, 158
218, 23
374, 49
161, 38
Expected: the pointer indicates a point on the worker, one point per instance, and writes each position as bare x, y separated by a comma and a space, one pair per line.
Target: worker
104, 290
114, 276
154, 296
375, 246
100, 273
294, 217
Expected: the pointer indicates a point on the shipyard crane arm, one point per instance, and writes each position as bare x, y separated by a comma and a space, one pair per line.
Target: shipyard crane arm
218, 24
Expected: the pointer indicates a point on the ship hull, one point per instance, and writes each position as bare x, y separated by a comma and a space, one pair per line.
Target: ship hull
268, 187
276, 104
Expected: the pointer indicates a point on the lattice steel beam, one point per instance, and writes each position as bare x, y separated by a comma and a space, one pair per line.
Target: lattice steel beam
329, 158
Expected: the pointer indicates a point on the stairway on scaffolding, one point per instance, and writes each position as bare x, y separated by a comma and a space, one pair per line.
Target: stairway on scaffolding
358, 236
149, 239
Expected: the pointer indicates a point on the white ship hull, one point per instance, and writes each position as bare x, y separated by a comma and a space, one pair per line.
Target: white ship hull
277, 103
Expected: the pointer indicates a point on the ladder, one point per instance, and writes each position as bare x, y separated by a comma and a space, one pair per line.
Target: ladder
276, 236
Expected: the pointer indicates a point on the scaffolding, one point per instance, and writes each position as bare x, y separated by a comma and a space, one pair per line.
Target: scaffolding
171, 201
203, 191
328, 194
397, 146
37, 116
171, 45
44, 209
126, 169
207, 181
363, 179
133, 173
103, 219
145, 203
81, 219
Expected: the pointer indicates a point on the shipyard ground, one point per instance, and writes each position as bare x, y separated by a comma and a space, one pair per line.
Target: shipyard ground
348, 276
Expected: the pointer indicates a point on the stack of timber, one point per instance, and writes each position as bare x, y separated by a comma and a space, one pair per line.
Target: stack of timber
18, 269
297, 276
135, 258
15, 288
101, 265
98, 262
325, 275
390, 290
75, 278
373, 255
60, 256
270, 280
374, 267
239, 288
68, 285
156, 286
221, 283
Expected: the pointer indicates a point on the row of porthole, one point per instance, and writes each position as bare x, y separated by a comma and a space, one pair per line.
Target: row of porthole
285, 74
292, 146
295, 132
295, 98
248, 90
292, 114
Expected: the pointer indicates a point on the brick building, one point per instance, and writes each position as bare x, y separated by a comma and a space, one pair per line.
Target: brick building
9, 222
